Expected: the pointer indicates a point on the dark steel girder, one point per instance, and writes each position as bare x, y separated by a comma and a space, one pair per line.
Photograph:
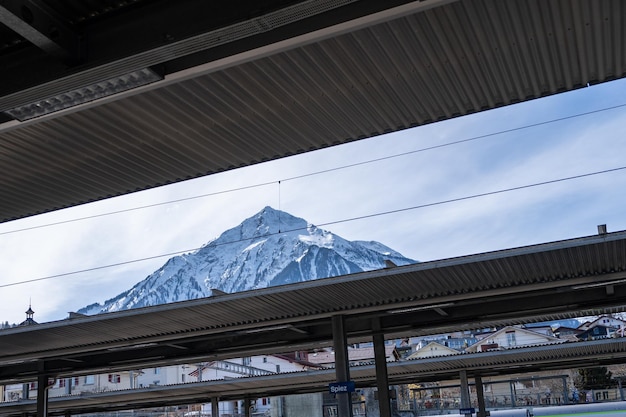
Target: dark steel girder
163, 34
41, 26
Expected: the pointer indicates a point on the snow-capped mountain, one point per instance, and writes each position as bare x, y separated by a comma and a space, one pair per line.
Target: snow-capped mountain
270, 248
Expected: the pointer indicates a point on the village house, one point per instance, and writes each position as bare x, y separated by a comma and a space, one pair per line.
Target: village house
433, 349
606, 321
511, 337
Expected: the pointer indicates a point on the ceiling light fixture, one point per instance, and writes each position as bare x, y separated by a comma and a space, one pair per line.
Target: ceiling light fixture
267, 329
598, 284
85, 94
421, 308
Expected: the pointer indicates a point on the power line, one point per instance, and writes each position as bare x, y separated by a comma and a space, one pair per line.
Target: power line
369, 161
383, 213
458, 142
77, 219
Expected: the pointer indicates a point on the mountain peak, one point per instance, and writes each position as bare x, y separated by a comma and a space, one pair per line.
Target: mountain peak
279, 220
265, 223
269, 248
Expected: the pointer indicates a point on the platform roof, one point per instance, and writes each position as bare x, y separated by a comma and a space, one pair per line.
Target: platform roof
511, 362
251, 81
247, 81
565, 279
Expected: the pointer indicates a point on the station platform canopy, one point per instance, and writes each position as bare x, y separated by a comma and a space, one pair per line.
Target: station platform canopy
538, 283
104, 98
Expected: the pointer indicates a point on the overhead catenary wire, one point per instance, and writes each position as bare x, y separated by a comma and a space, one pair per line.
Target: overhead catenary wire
341, 167
441, 202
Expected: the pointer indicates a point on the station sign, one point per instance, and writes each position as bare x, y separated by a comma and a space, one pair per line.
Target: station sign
339, 387
467, 411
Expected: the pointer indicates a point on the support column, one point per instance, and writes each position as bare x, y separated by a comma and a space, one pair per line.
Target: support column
42, 395
465, 394
247, 404
215, 407
512, 394
482, 411
342, 366
382, 380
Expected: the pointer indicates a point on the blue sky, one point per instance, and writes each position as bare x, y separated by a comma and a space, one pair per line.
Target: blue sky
412, 172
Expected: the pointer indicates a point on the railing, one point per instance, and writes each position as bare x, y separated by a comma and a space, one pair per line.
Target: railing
434, 406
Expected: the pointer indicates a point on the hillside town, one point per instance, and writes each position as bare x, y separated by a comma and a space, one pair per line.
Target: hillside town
548, 388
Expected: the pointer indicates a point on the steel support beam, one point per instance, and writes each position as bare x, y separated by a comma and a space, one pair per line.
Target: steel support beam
247, 405
342, 366
480, 394
465, 395
215, 406
42, 395
38, 24
382, 379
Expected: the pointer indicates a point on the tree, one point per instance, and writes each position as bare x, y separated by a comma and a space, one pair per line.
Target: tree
594, 378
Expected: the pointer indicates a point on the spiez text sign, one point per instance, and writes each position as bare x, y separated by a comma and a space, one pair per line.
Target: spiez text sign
467, 411
339, 387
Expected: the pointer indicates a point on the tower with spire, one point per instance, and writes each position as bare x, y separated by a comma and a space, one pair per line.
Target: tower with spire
29, 317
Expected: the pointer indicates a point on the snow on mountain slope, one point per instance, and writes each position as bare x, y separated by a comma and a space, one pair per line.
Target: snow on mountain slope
270, 248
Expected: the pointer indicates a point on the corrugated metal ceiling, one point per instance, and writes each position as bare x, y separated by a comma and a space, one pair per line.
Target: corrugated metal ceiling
450, 60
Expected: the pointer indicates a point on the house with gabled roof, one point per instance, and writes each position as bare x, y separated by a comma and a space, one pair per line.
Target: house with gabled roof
356, 356
569, 333
599, 332
433, 349
511, 337
606, 321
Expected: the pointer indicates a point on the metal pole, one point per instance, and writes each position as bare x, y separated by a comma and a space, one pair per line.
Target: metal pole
465, 395
215, 407
465, 398
42, 395
512, 386
382, 380
480, 395
246, 407
342, 366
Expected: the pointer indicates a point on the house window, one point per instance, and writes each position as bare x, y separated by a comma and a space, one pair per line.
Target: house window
61, 383
157, 371
264, 359
90, 379
76, 381
277, 369
114, 378
32, 385
510, 338
246, 361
